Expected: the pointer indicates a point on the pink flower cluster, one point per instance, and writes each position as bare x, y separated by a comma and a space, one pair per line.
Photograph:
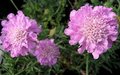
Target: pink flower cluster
93, 28
19, 37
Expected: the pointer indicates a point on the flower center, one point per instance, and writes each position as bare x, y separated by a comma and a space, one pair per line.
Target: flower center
94, 29
47, 51
17, 35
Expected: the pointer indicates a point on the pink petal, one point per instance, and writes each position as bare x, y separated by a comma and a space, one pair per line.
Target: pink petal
82, 49
72, 13
52, 40
3, 23
95, 55
72, 42
91, 47
81, 40
113, 37
33, 35
10, 16
68, 31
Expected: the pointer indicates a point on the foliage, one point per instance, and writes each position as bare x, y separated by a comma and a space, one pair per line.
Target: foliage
53, 15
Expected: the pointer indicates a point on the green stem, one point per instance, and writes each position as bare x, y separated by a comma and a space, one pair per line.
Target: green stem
71, 4
87, 64
14, 5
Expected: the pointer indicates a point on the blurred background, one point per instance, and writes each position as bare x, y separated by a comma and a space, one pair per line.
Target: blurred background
53, 15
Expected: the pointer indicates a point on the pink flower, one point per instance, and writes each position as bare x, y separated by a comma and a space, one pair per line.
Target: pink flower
47, 52
94, 29
19, 34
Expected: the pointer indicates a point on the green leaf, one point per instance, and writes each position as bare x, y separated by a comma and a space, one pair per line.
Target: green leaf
52, 32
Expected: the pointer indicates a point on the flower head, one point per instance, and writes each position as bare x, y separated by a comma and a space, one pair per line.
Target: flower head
47, 52
19, 34
94, 29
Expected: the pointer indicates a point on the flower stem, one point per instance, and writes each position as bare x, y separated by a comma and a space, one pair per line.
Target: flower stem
14, 5
87, 63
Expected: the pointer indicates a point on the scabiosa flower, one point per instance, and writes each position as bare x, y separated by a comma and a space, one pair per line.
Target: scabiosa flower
47, 52
94, 29
19, 34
